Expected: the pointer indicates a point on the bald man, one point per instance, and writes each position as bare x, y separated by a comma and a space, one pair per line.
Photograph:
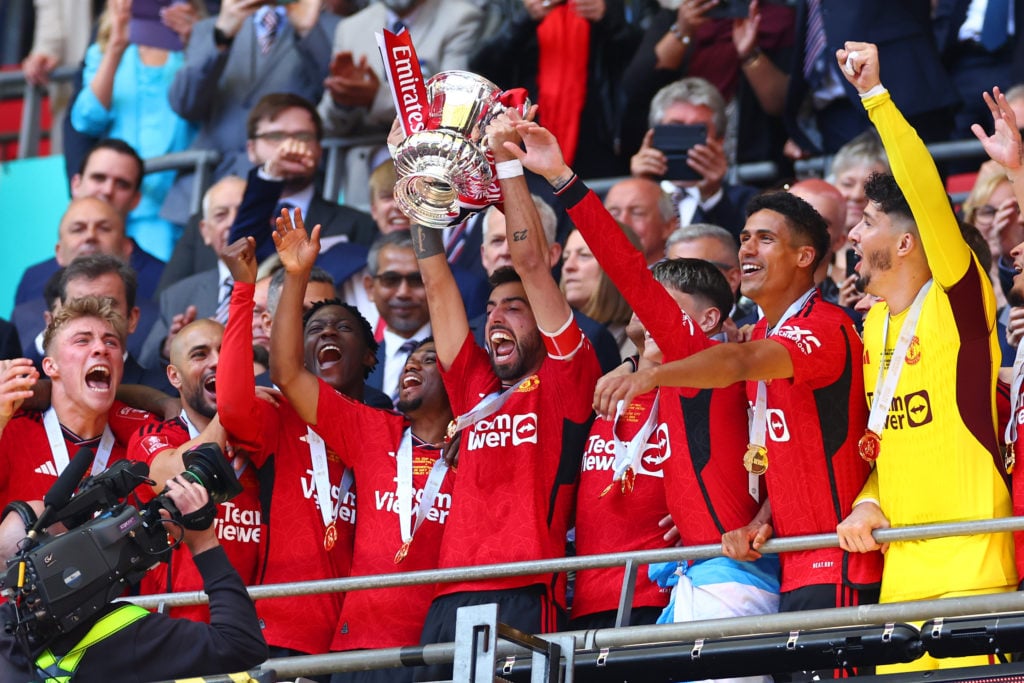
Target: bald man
826, 200
194, 356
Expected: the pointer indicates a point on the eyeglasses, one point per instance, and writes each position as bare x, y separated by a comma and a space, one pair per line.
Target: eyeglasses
278, 136
391, 279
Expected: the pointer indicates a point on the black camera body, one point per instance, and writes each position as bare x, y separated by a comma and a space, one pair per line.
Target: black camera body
57, 583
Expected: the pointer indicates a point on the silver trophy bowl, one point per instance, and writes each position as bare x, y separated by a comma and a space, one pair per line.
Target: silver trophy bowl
448, 159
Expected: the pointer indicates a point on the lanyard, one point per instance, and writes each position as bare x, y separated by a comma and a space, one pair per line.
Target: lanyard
627, 453
885, 384
322, 478
192, 431
59, 448
1010, 434
488, 405
406, 492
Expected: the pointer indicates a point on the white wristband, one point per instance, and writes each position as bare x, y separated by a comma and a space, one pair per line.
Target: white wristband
508, 169
876, 90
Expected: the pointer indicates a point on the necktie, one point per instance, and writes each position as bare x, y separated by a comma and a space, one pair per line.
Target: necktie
814, 44
269, 22
397, 26
994, 31
224, 302
456, 241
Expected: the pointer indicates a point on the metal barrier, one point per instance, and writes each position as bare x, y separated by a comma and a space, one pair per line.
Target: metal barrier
629, 635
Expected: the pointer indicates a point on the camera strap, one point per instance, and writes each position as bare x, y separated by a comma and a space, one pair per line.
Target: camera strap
59, 448
62, 669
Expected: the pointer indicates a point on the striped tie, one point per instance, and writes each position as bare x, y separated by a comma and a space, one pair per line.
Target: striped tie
814, 45
269, 22
224, 302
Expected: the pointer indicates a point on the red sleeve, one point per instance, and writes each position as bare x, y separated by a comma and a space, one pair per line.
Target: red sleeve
125, 421
815, 345
627, 269
237, 405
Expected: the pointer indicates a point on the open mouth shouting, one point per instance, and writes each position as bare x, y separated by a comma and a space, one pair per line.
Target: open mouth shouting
329, 354
98, 378
748, 268
503, 345
210, 384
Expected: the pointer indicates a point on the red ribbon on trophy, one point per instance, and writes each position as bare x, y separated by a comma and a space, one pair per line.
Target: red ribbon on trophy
417, 113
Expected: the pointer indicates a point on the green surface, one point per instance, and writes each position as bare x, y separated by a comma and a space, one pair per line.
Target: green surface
33, 196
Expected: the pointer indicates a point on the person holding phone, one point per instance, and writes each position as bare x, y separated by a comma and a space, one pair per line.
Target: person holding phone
684, 147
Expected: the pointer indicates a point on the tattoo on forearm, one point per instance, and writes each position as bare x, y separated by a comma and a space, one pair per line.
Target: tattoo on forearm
426, 242
519, 235
562, 180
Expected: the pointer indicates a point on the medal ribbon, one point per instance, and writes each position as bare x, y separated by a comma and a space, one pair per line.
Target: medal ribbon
759, 421
406, 490
488, 405
627, 453
238, 462
885, 384
1010, 435
322, 478
59, 449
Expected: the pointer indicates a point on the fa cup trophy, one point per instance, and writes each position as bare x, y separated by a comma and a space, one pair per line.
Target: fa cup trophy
445, 172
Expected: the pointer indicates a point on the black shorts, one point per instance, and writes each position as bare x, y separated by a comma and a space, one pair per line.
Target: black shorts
639, 616
527, 609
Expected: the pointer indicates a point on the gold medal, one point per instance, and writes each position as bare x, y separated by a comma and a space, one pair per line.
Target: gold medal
755, 460
869, 446
1010, 459
628, 480
450, 431
402, 552
330, 537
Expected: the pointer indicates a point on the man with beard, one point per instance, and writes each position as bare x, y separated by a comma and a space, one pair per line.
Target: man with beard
195, 352
84, 344
931, 356
684, 437
395, 287
308, 504
396, 458
806, 387
521, 445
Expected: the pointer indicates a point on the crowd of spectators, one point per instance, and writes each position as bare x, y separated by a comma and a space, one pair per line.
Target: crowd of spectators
338, 352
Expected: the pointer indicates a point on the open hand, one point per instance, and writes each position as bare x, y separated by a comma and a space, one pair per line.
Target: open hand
298, 251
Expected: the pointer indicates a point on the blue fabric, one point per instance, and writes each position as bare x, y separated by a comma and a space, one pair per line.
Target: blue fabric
141, 116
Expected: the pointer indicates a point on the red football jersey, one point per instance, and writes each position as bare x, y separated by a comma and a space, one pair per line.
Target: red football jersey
238, 523
815, 419
518, 467
276, 441
367, 440
620, 521
27, 466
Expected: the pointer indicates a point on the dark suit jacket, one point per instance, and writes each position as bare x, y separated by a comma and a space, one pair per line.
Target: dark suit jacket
215, 90
950, 15
911, 69
731, 210
10, 345
147, 269
200, 290
605, 346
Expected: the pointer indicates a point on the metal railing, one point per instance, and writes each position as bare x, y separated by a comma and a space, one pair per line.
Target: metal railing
444, 653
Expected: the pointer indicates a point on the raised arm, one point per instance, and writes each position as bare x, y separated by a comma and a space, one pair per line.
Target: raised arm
1004, 145
526, 241
298, 252
912, 166
237, 406
624, 264
447, 310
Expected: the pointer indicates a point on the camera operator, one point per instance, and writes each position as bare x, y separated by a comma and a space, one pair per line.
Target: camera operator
138, 645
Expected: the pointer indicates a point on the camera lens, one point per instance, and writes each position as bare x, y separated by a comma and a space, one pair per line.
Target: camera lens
206, 465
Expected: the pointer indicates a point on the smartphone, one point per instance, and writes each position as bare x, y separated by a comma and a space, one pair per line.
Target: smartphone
674, 141
729, 9
852, 259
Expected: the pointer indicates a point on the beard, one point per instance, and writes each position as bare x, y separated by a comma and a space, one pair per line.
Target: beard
196, 400
528, 349
876, 261
408, 405
1015, 297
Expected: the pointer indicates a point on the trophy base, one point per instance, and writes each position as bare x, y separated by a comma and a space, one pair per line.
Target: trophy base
434, 168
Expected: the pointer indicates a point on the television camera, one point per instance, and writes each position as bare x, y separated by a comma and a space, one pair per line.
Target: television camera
57, 582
